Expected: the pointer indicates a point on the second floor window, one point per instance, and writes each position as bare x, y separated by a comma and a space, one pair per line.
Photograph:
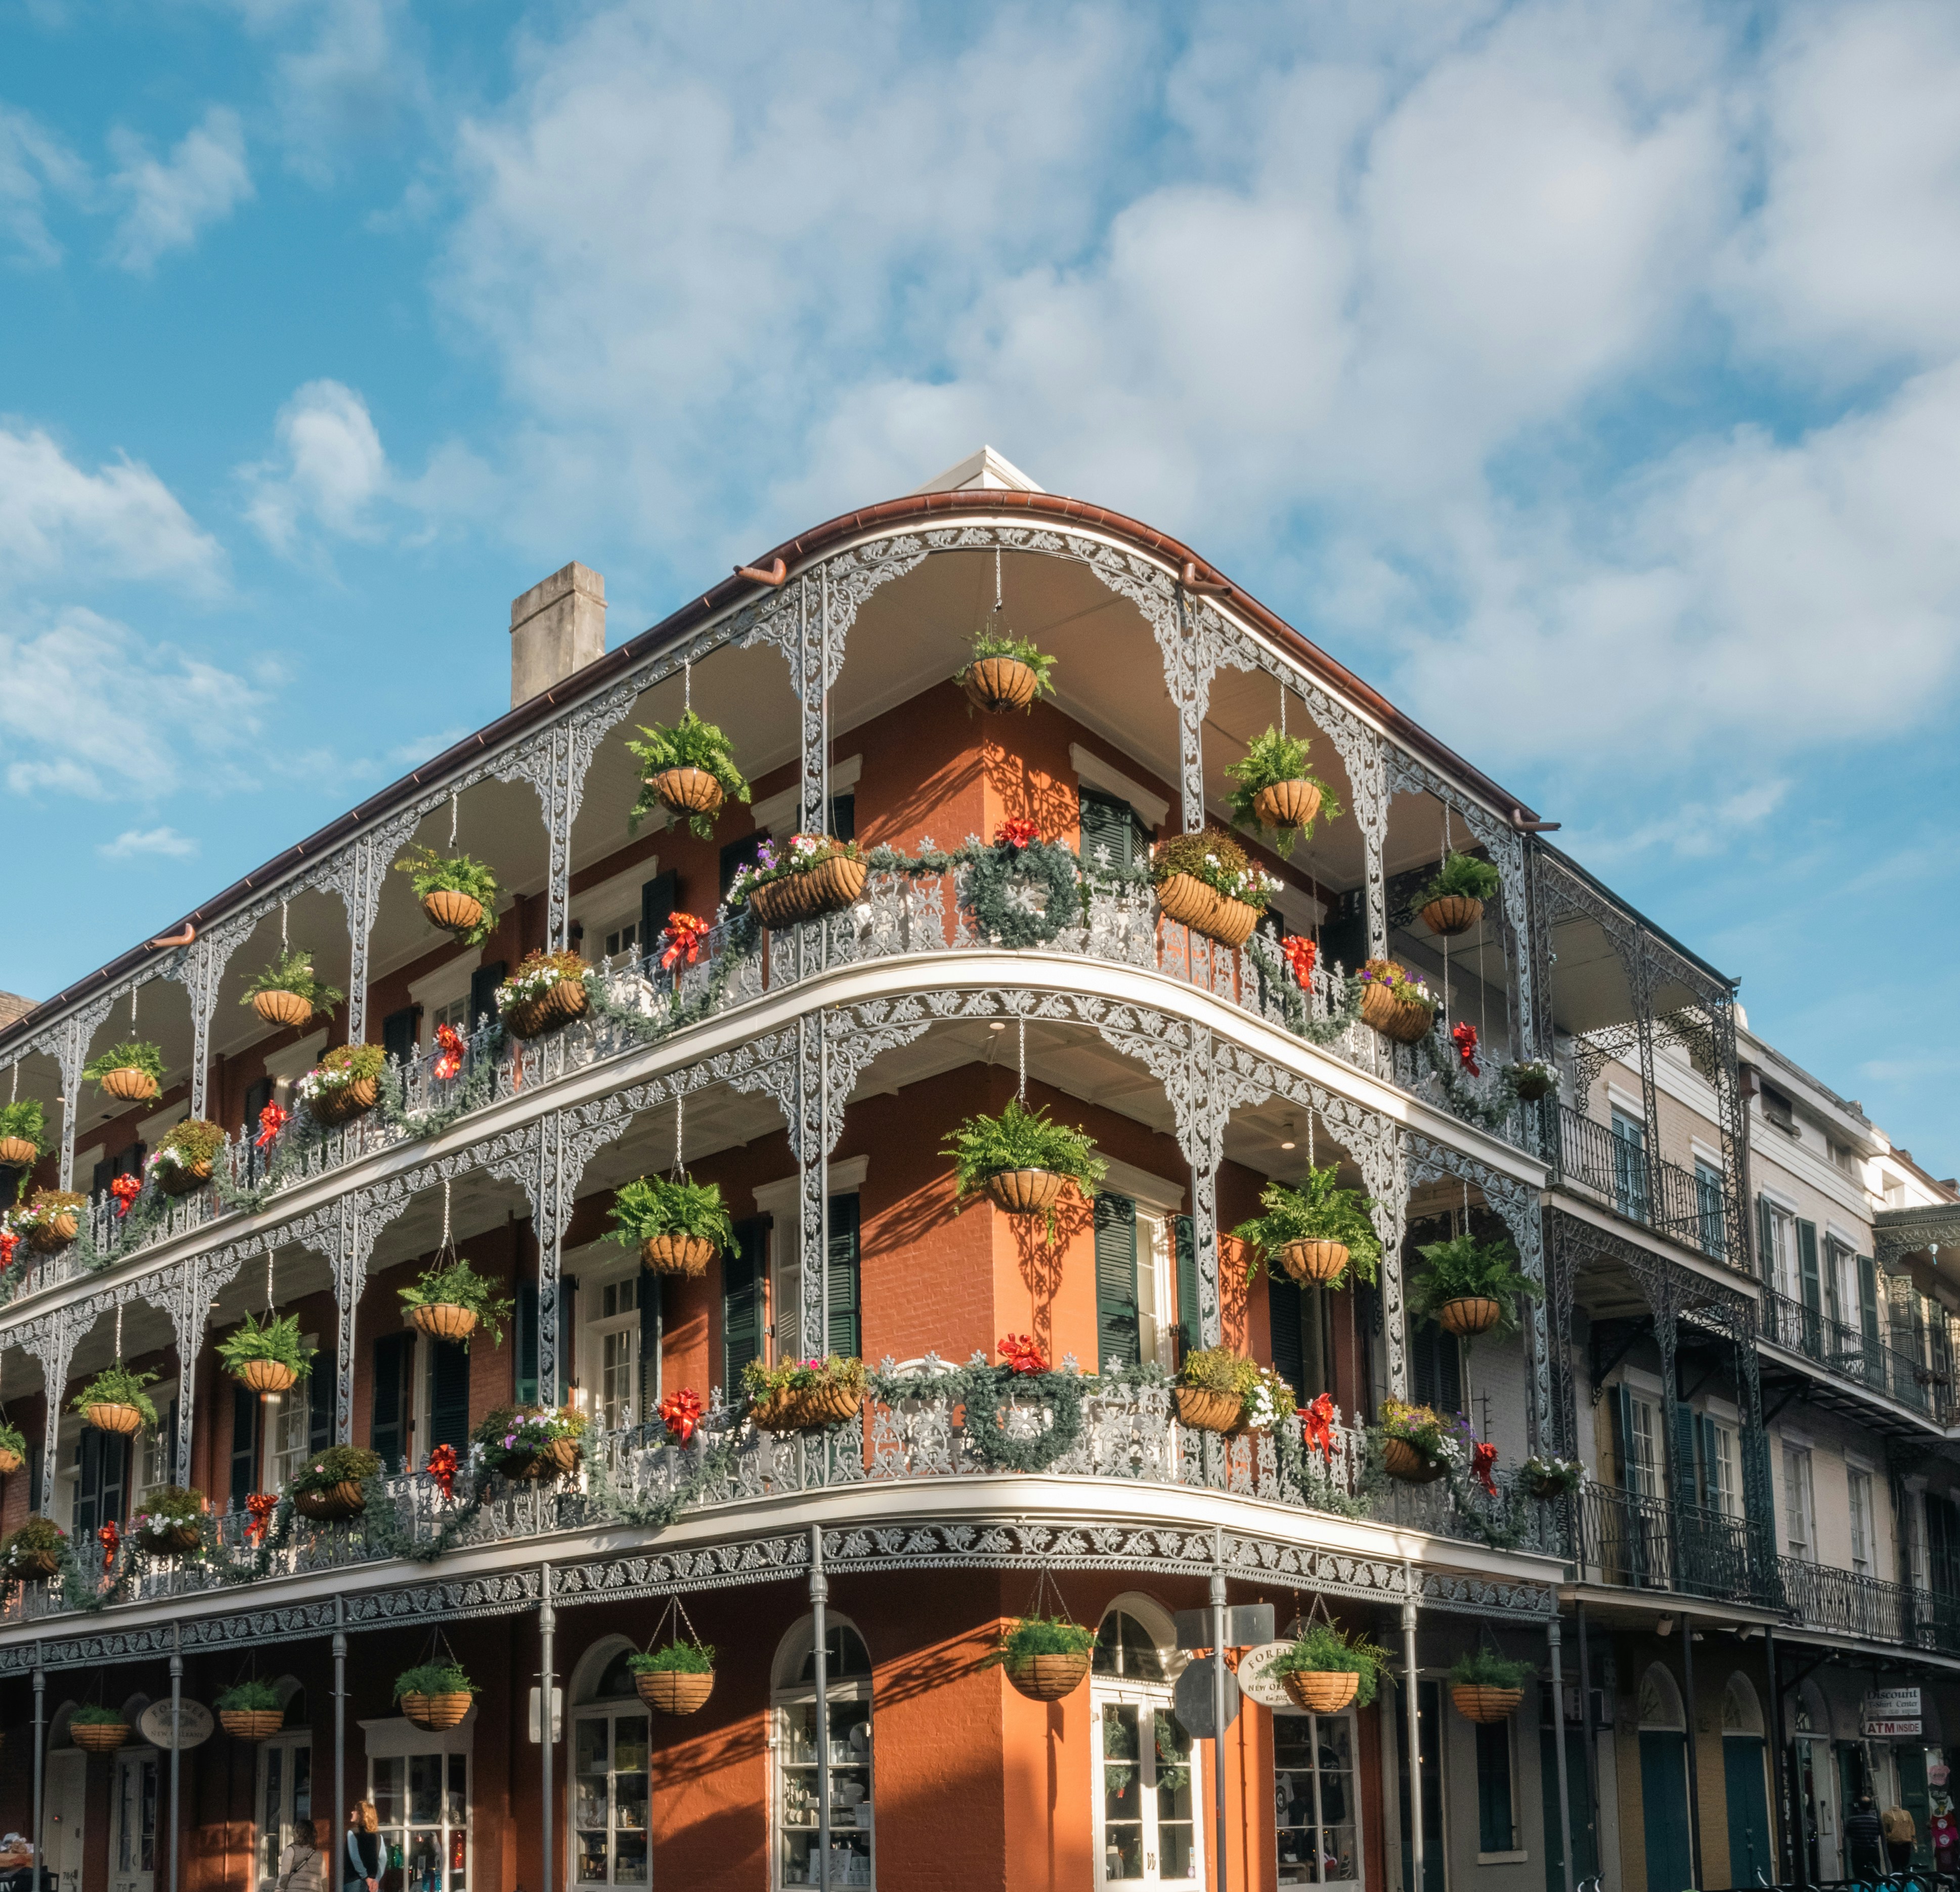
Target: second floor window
1629, 1166
1720, 1443
1800, 1508
1859, 1494
1709, 1208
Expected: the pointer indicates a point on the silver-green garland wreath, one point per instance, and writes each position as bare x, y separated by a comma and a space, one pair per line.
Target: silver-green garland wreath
1004, 884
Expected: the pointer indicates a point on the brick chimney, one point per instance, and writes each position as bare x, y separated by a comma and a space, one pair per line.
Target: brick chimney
556, 627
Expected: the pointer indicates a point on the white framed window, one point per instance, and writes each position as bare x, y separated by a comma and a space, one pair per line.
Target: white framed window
157, 1450
1643, 1465
781, 1202
423, 1799
793, 1797
456, 1014
1799, 1506
1146, 1789
132, 1856
1316, 1821
1722, 1468
1859, 1507
285, 1796
610, 1831
1783, 1250
609, 1375
286, 1426
444, 998
624, 938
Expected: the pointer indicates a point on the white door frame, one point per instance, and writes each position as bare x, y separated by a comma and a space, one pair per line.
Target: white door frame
64, 1815
128, 1760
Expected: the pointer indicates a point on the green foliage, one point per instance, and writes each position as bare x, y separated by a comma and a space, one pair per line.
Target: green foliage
12, 1439
276, 1338
1323, 1648
1020, 651
459, 1285
682, 1658
522, 1431
1214, 859
172, 1504
654, 1206
135, 1055
1031, 1635
689, 743
1462, 873
117, 1385
37, 1533
430, 872
760, 1382
26, 1120
292, 971
1422, 1426
1464, 1266
1021, 1139
192, 1141
435, 1678
1483, 1667
1274, 758
259, 1698
1317, 1209
1220, 1370
93, 1714
338, 1465
354, 1061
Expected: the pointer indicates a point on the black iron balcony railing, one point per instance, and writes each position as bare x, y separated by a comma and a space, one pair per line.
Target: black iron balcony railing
1661, 1195
1821, 1596
1638, 1542
1849, 1354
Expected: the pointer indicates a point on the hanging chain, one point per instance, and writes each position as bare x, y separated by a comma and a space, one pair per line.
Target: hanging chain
283, 905
1309, 1136
998, 594
1282, 712
1022, 1024
119, 1333
270, 1304
133, 1007
680, 1107
686, 684
452, 823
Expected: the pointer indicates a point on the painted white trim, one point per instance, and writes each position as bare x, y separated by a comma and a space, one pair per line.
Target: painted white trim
613, 899
448, 983
1624, 1100
782, 1198
1777, 1199
781, 809
1803, 1441
1706, 1153
1091, 768
295, 1060
1835, 1231
150, 1129
1148, 1191
1299, 908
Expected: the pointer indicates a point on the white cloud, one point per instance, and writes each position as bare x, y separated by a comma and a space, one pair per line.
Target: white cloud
120, 522
331, 469
34, 165
169, 200
139, 843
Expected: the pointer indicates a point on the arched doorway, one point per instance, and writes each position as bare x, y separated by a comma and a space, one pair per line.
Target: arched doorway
609, 1777
847, 1690
1745, 1770
1815, 1791
1146, 1807
1664, 1782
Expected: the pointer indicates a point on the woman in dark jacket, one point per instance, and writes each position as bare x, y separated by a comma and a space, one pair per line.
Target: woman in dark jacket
360, 1858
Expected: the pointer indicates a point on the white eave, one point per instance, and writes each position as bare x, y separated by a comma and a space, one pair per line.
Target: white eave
985, 471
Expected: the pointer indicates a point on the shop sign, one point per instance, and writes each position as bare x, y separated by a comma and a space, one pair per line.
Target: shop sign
1256, 1679
194, 1723
1893, 1713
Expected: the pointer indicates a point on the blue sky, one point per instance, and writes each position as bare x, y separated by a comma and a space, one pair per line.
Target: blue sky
1588, 377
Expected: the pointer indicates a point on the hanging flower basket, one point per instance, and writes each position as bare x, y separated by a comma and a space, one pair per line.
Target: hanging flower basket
333, 1484
546, 993
1048, 1678
1205, 1411
1321, 1691
169, 1538
266, 1376
98, 1737
287, 1009
1206, 882
1452, 903
1469, 1315
443, 1321
251, 1724
436, 1712
1190, 903
454, 912
1408, 1464
1394, 1004
558, 1458
111, 1416
687, 791
1024, 1192
834, 883
325, 1503
51, 1221
129, 1085
182, 1179
1533, 1081
810, 1410
1288, 804
687, 1256
675, 1691
345, 1102
18, 1152
1314, 1262
11, 1461
998, 684
35, 1565
1479, 1702
1454, 913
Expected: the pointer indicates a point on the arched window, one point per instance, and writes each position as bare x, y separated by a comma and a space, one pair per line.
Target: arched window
1660, 1703
609, 1784
1146, 1807
1741, 1712
848, 1686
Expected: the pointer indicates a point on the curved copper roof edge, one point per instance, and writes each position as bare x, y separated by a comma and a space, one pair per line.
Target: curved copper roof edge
805, 546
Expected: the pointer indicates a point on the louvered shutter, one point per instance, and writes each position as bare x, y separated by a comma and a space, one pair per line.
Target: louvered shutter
34, 1477
1765, 1241
320, 1401
483, 984
525, 1355
1623, 1438
388, 1434
1688, 1480
1116, 1334
844, 817
563, 1380
169, 1442
1285, 1306
846, 1335
244, 1445
652, 1317
1106, 824
1184, 1235
449, 1395
742, 1266
398, 1034
1813, 1287
658, 900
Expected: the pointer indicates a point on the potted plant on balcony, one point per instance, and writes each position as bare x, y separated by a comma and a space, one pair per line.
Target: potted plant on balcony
687, 767
1046, 1658
1006, 673
97, 1729
171, 1523
1277, 792
1547, 1479
1419, 1445
1486, 1687
183, 1159
1452, 903
531, 1442
1213, 1386
346, 1084
33, 1553
13, 1449
458, 892
1208, 882
132, 1072
545, 994
250, 1711
1021, 1160
1326, 1670
1532, 1078
332, 1483
1317, 1230
676, 1679
286, 993
24, 1133
815, 874
449, 1303
1467, 1287
50, 1219
804, 1396
1393, 1004
268, 1357
435, 1694
114, 1401
678, 1226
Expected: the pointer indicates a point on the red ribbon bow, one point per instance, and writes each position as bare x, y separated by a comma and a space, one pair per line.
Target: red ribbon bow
1482, 1457
272, 1120
1017, 831
449, 1053
126, 1189
260, 1505
9, 1241
1465, 1036
680, 1413
1020, 1352
1317, 1418
1300, 954
108, 1537
442, 1469
682, 938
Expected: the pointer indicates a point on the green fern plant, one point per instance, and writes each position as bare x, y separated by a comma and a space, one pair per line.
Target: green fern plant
1316, 1208
689, 743
1269, 759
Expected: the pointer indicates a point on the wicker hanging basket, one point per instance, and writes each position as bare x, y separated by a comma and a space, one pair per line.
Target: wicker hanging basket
1190, 903
557, 1459
345, 1499
129, 1085
180, 1539
1050, 1677
182, 1179
345, 1102
1476, 1702
675, 1691
1394, 1017
1288, 804
551, 1011
1469, 1315
1314, 1262
266, 1376
1205, 1411
251, 1724
454, 912
443, 1321
687, 1256
1404, 1463
112, 1416
18, 1152
11, 1461
998, 684
51, 1236
1024, 1192
286, 1008
99, 1737
807, 1411
828, 888
1454, 913
34, 1566
1321, 1691
1533, 1085
687, 791
436, 1712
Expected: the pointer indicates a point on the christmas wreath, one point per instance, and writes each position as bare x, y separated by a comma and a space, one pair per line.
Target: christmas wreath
1006, 884
986, 1386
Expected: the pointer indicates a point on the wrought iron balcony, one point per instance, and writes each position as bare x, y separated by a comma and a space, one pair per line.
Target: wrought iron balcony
1821, 1596
1638, 1542
1651, 1191
1850, 1355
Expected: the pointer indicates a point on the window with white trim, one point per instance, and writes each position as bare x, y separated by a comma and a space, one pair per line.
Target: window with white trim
1146, 1797
847, 1691
423, 1800
610, 1828
1722, 1468
1316, 1816
1800, 1504
1858, 1496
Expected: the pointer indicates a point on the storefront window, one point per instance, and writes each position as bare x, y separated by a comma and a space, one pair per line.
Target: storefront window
424, 1804
609, 1788
1318, 1839
848, 1686
1146, 1791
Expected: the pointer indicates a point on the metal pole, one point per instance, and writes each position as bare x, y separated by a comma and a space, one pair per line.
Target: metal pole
1694, 1755
340, 1722
547, 1628
1791, 1835
40, 1746
1554, 1635
819, 1622
176, 1738
1218, 1715
1592, 1736
1414, 1730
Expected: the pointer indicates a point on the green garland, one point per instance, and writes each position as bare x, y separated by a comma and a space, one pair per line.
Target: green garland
1447, 1068
982, 1391
998, 878
1293, 1008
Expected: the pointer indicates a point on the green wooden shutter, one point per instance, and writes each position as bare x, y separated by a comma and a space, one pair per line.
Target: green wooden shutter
448, 1396
564, 1365
1184, 1234
525, 1356
1710, 1457
658, 899
388, 1433
244, 1445
1868, 1299
1623, 1439
847, 1326
1285, 1308
742, 1272
653, 1327
483, 984
1765, 1241
1807, 1262
398, 1034
1116, 1332
320, 1401
1687, 1479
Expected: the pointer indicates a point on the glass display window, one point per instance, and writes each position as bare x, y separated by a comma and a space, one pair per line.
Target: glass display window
609, 1797
1315, 1816
1146, 1789
423, 1800
848, 1688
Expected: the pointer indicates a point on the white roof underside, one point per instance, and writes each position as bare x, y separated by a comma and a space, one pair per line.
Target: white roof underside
985, 471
